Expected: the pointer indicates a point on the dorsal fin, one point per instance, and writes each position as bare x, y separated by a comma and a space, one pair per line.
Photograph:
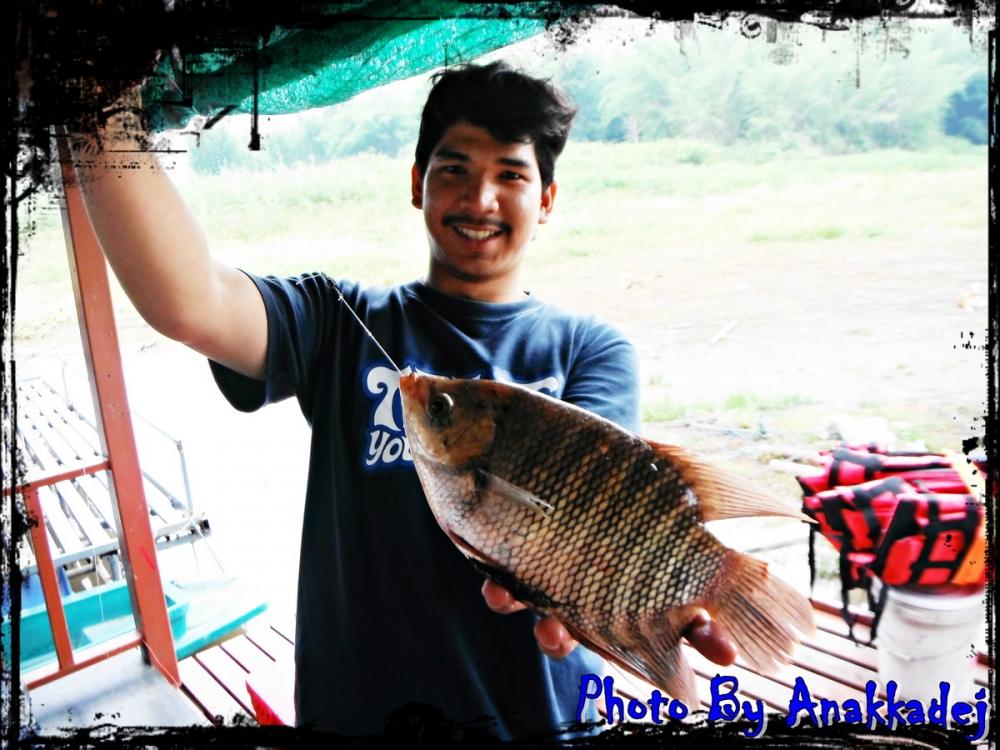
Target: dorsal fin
720, 493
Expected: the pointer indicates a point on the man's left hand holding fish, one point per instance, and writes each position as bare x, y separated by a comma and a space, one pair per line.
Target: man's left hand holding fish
704, 634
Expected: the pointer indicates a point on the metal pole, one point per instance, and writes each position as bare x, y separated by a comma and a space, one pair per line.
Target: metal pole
47, 575
100, 347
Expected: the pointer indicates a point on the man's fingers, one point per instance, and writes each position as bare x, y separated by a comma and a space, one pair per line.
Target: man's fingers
500, 599
704, 634
553, 638
710, 639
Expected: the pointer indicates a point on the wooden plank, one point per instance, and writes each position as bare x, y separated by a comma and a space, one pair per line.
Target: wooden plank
95, 489
834, 623
245, 653
85, 441
751, 684
631, 686
206, 692
52, 428
46, 451
38, 451
156, 504
842, 648
83, 426
273, 688
69, 423
227, 673
57, 435
284, 626
76, 529
161, 505
97, 501
272, 644
833, 667
83, 514
820, 686
65, 536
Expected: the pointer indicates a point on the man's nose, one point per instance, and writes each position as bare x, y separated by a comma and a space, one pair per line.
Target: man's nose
481, 194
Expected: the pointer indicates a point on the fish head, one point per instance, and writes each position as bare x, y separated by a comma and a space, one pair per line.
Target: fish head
449, 422
456, 435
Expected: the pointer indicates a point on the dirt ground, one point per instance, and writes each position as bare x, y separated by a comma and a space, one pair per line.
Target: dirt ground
819, 335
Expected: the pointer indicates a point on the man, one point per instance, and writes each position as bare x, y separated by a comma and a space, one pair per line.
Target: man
389, 612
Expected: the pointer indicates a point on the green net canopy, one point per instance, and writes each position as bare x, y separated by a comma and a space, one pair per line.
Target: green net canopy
339, 51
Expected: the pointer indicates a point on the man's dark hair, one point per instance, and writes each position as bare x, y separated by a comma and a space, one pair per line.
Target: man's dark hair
511, 106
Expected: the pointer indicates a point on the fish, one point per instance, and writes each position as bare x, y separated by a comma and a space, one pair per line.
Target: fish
584, 520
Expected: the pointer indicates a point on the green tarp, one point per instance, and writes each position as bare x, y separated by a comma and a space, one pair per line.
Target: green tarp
338, 51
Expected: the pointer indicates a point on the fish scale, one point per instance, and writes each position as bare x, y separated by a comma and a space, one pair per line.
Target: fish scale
588, 522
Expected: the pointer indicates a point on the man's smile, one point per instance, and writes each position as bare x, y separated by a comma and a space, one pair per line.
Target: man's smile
476, 234
476, 230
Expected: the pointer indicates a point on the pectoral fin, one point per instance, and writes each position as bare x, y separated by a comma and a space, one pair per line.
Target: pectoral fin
515, 494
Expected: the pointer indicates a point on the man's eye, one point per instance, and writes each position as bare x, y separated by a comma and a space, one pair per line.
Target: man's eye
512, 176
453, 169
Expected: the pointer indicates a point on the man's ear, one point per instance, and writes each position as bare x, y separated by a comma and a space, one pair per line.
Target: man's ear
548, 201
417, 186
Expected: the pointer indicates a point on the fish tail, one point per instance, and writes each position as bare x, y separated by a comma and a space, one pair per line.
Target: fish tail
760, 611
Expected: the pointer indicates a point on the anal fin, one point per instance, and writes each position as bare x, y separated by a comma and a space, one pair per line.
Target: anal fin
656, 658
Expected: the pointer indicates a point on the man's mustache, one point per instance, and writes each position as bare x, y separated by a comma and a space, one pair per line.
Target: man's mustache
469, 220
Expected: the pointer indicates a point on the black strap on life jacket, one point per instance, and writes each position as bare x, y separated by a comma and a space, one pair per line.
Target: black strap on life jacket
813, 531
935, 527
877, 609
902, 524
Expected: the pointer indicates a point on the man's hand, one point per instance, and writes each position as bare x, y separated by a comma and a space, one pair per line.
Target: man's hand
705, 635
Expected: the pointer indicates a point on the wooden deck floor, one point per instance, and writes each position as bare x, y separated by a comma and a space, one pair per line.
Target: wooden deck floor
832, 665
216, 678
122, 690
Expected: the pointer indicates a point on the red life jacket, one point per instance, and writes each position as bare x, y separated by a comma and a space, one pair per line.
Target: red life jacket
906, 519
849, 467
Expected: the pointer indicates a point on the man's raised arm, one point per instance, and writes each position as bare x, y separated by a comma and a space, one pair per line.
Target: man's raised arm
158, 252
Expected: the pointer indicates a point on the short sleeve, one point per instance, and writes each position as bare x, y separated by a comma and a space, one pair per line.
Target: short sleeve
301, 313
604, 376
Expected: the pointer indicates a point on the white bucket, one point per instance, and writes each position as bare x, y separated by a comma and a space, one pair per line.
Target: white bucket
926, 639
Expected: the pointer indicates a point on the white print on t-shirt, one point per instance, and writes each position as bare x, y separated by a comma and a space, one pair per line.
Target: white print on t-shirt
386, 443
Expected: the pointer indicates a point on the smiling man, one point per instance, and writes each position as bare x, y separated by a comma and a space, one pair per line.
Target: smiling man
389, 612
483, 200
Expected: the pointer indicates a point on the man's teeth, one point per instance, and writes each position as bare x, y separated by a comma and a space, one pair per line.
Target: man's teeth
477, 234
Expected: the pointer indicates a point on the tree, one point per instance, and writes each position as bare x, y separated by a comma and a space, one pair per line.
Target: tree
966, 115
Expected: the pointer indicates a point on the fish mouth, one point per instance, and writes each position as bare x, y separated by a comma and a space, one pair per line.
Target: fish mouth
414, 392
415, 389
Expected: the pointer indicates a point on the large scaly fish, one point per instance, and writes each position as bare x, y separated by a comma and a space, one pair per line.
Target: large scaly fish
586, 521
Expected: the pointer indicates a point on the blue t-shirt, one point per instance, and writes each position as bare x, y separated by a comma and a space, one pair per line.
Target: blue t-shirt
389, 611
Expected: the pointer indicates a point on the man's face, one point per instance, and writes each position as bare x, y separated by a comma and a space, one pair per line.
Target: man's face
482, 200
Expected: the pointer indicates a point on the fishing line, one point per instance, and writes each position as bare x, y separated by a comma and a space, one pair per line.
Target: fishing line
365, 328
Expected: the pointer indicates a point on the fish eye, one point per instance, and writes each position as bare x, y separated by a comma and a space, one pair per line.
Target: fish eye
439, 407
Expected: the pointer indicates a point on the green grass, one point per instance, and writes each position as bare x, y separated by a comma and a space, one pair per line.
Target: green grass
684, 198
755, 402
743, 409
663, 410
